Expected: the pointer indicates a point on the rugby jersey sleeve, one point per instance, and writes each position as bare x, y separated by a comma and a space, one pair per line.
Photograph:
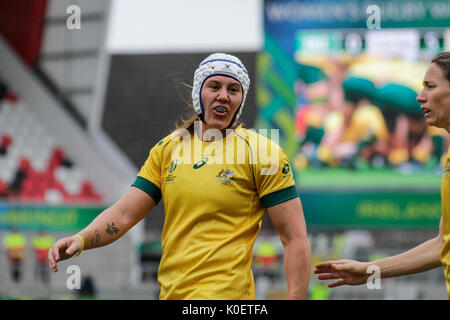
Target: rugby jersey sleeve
149, 177
274, 179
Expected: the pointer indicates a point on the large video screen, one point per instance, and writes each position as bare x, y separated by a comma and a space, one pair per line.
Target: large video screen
357, 118
342, 87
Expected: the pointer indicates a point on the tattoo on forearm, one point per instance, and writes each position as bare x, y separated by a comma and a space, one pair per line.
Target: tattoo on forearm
111, 228
96, 240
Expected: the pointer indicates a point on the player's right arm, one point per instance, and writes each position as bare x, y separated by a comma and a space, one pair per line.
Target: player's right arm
422, 258
115, 221
107, 227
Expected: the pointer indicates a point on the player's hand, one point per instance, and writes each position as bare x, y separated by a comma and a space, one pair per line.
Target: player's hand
63, 249
349, 272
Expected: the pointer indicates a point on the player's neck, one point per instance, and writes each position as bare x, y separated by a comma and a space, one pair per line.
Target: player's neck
208, 134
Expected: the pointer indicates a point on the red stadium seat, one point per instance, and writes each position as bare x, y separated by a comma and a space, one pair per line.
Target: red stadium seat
88, 194
6, 141
3, 188
11, 97
25, 165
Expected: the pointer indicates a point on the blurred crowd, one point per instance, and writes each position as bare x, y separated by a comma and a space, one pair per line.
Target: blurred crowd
362, 112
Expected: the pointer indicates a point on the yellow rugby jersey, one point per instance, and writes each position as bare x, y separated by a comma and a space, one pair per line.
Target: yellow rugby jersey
215, 195
445, 198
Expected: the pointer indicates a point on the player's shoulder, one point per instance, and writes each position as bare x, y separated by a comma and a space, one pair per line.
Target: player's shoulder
163, 146
259, 138
170, 139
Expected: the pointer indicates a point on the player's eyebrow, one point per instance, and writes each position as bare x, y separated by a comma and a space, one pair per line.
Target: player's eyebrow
427, 83
217, 82
235, 84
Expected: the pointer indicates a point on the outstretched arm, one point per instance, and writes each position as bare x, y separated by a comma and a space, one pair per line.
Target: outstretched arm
422, 258
289, 221
106, 228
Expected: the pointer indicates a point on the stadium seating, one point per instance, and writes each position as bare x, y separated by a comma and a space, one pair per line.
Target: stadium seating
33, 167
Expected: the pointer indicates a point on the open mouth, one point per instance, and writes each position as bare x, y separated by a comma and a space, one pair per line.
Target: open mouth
220, 110
426, 111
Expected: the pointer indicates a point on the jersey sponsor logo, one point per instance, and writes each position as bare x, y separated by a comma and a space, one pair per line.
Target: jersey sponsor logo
447, 170
200, 163
226, 176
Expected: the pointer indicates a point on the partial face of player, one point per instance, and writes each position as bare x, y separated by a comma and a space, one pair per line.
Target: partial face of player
221, 97
435, 98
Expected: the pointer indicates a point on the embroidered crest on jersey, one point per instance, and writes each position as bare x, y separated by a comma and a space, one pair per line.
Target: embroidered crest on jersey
226, 176
286, 171
170, 178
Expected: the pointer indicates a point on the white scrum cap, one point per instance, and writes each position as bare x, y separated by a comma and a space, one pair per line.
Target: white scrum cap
219, 64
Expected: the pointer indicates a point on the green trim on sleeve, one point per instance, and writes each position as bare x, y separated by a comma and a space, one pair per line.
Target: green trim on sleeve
279, 196
148, 187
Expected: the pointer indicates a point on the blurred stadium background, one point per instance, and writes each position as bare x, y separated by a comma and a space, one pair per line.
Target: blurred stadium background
81, 107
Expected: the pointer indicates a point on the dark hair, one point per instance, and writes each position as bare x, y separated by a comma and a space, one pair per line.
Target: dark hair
443, 61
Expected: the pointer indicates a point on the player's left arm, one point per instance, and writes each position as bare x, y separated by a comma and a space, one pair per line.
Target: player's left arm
289, 221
